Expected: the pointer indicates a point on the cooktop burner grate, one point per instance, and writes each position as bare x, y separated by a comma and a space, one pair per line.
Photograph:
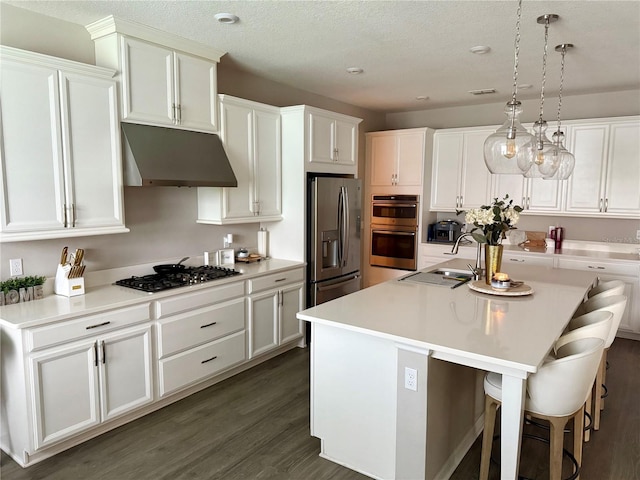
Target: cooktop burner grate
189, 276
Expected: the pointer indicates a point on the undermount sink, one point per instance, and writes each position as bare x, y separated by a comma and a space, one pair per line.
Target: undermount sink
440, 276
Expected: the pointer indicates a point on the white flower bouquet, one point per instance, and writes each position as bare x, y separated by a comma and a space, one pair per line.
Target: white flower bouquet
493, 220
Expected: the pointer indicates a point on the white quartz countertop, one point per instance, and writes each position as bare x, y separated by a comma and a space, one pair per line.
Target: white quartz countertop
100, 298
475, 328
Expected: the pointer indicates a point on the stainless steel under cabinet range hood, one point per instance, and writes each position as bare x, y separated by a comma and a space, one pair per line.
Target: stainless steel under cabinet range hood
158, 156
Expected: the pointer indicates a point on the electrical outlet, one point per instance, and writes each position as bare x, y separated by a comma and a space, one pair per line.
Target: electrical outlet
411, 379
637, 234
15, 267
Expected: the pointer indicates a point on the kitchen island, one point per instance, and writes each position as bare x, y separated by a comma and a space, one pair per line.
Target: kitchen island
396, 369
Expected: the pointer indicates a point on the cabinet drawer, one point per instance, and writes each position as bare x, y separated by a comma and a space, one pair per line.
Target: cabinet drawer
196, 327
68, 331
276, 280
201, 362
189, 301
508, 259
631, 269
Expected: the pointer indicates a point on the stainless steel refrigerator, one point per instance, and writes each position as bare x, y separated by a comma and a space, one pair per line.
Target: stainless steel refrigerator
334, 215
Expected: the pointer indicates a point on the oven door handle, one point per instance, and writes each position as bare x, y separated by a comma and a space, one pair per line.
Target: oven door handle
382, 204
394, 232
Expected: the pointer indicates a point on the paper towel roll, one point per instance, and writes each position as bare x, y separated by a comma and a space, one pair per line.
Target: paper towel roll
263, 243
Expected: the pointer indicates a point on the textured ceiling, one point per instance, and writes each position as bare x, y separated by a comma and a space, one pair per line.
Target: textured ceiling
406, 48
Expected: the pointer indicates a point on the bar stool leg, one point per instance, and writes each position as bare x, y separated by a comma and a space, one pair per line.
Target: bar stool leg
578, 428
597, 404
556, 437
490, 407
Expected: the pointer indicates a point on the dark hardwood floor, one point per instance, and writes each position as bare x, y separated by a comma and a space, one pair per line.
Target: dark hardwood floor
256, 426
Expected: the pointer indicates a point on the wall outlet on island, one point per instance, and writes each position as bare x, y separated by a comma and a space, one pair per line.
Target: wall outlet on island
411, 379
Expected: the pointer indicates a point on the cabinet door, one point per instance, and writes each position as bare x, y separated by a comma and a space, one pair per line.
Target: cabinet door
32, 162
475, 187
447, 170
585, 188
544, 195
236, 123
410, 159
147, 83
196, 86
64, 392
345, 142
291, 302
91, 141
268, 163
383, 158
623, 170
321, 139
125, 371
263, 322
512, 185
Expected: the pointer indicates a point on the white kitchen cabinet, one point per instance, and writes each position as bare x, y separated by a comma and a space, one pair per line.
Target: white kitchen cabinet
60, 138
606, 179
164, 80
322, 141
272, 307
78, 386
534, 195
199, 335
629, 273
251, 134
460, 179
397, 157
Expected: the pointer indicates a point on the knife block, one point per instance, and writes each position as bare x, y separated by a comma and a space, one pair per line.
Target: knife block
69, 287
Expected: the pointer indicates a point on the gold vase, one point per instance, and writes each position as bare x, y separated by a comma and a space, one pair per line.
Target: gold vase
492, 260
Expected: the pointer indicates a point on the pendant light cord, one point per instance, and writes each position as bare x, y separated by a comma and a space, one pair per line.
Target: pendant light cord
516, 53
562, 52
544, 67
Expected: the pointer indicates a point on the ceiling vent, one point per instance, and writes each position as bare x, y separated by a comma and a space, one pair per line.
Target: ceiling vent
484, 91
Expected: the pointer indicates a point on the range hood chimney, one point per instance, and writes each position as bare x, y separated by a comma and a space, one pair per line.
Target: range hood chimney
158, 156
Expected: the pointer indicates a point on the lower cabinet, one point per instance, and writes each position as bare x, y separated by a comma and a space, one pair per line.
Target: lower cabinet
81, 385
272, 311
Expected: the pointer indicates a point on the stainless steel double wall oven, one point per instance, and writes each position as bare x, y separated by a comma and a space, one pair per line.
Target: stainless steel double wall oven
394, 231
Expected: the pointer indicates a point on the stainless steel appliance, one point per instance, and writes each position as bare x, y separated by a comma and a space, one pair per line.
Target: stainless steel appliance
333, 233
446, 231
394, 231
178, 278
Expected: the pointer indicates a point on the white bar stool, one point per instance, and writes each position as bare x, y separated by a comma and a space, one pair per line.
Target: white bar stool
595, 324
556, 392
615, 304
601, 290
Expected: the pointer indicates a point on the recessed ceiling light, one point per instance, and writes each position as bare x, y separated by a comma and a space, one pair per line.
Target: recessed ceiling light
482, 91
355, 70
525, 86
480, 49
422, 98
226, 18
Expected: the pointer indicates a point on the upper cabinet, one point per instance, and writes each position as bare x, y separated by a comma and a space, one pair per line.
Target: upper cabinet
606, 179
61, 158
330, 140
460, 178
251, 135
534, 195
396, 158
165, 80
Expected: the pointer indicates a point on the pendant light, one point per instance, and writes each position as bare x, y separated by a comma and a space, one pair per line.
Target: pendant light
545, 161
511, 142
566, 159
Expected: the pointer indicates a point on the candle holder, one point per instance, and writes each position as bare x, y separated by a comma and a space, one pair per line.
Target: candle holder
500, 282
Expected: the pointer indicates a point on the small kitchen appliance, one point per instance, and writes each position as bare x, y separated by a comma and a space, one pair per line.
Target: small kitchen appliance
446, 231
174, 279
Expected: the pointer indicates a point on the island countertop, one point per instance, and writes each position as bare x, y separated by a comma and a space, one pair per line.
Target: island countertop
509, 332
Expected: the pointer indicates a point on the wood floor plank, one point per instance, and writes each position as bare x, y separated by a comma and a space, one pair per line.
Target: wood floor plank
255, 425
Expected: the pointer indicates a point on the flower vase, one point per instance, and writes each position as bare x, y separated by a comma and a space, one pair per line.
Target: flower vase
492, 261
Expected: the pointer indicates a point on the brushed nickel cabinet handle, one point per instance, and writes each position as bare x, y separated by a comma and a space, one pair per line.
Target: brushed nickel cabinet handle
208, 325
280, 280
104, 353
596, 267
64, 212
95, 353
606, 204
73, 214
209, 359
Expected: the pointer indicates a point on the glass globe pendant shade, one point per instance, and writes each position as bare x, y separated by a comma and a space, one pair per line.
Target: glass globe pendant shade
510, 145
546, 158
566, 161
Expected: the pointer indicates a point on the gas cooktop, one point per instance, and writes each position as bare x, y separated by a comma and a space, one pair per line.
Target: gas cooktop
189, 276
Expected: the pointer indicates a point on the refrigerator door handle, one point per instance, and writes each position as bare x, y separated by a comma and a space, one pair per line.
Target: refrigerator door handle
346, 221
341, 227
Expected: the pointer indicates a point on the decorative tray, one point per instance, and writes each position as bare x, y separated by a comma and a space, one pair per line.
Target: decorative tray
250, 259
520, 290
